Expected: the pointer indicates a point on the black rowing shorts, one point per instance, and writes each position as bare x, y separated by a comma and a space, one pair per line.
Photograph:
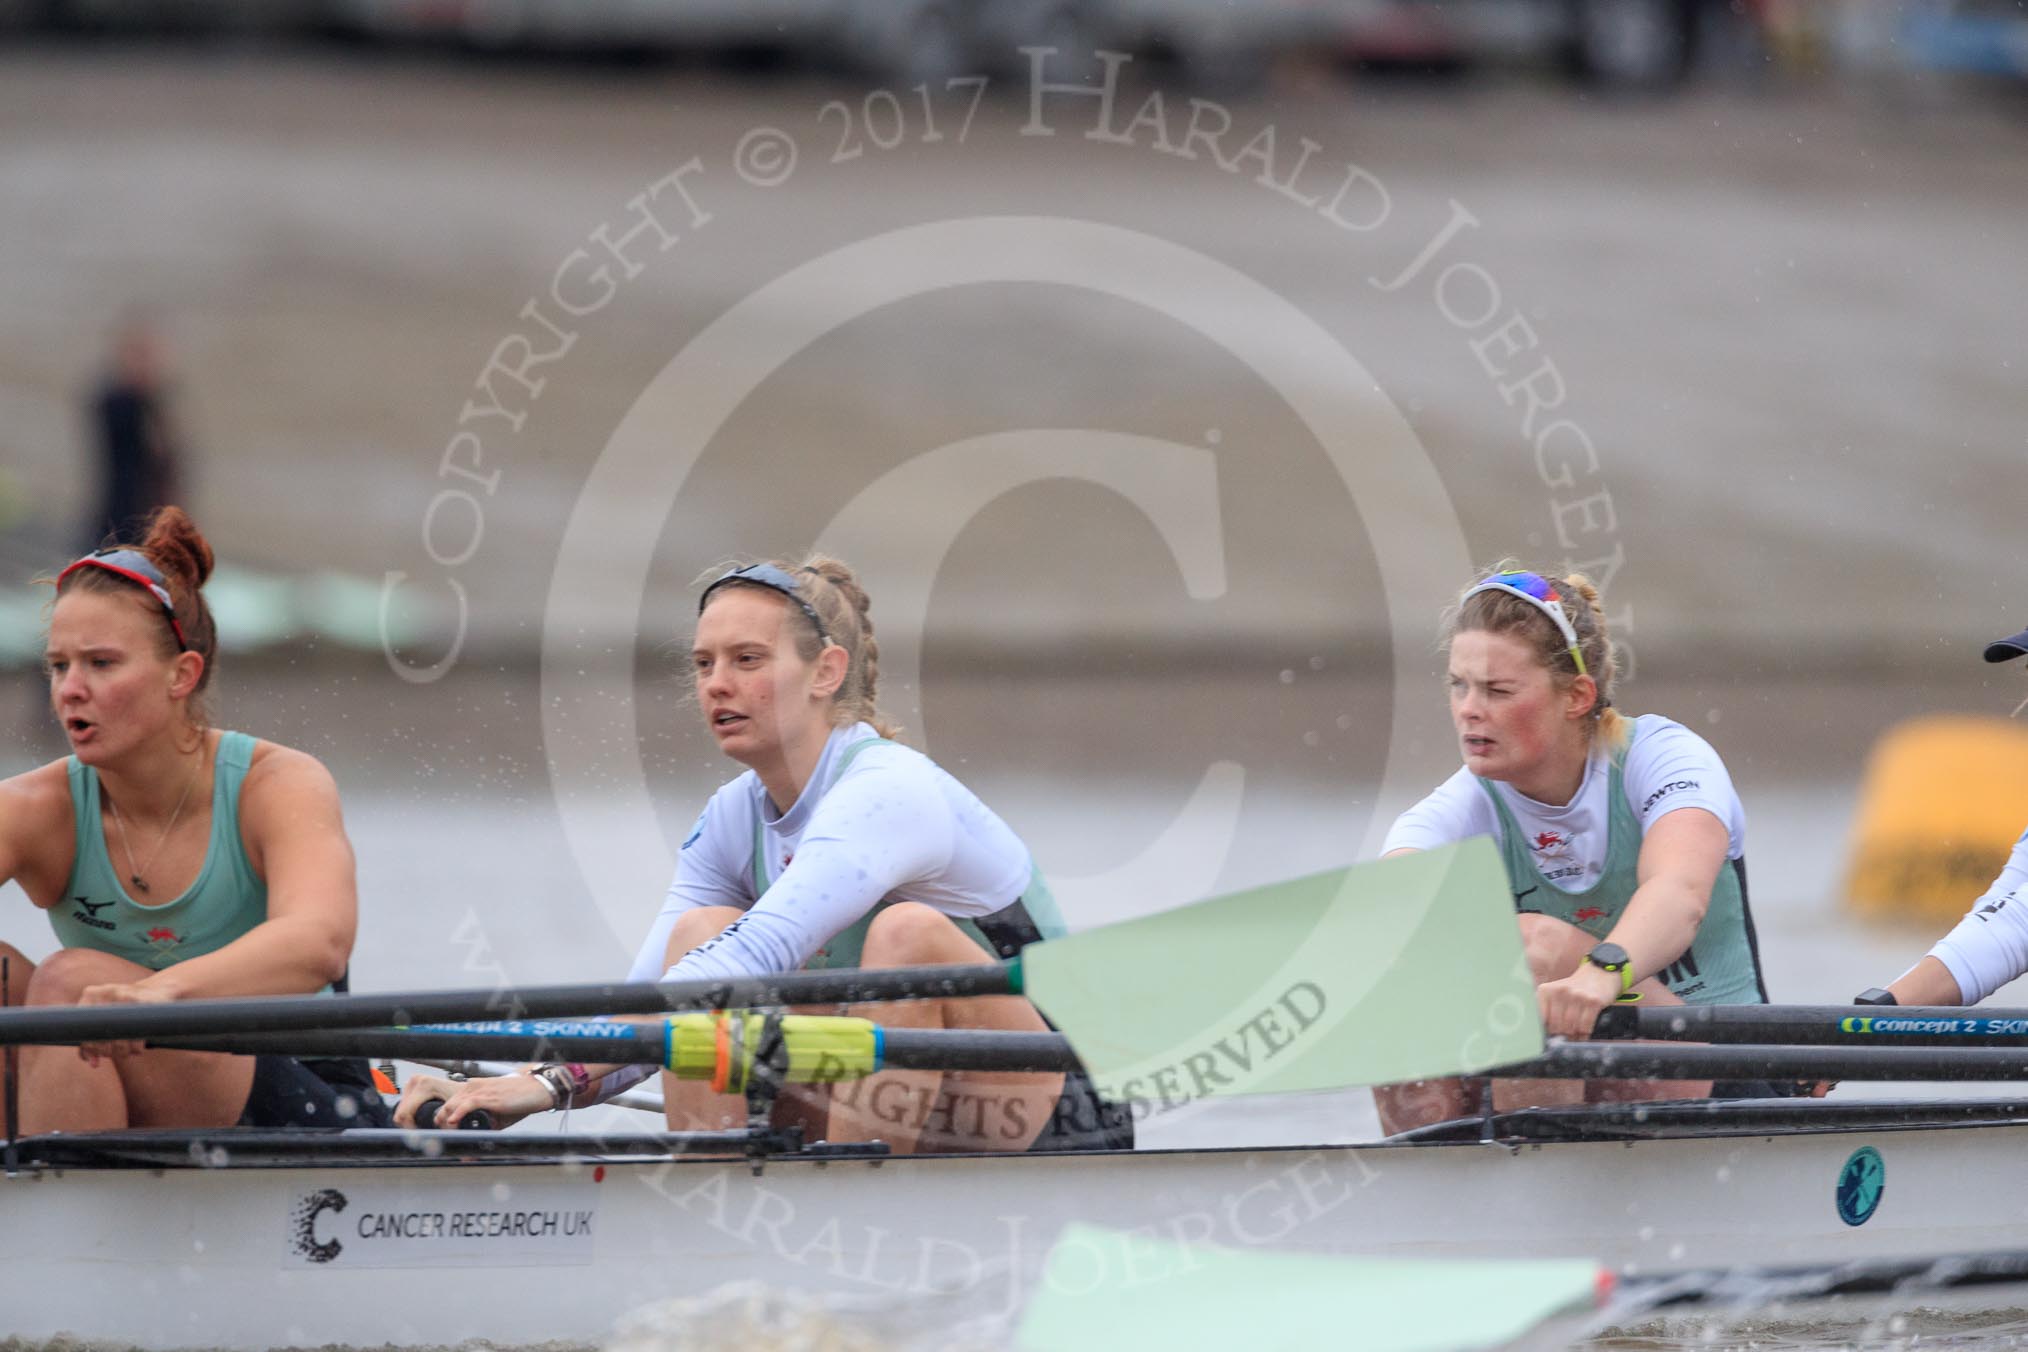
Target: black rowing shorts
321, 1093
1081, 1120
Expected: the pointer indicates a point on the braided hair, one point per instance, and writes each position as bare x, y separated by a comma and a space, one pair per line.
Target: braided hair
832, 589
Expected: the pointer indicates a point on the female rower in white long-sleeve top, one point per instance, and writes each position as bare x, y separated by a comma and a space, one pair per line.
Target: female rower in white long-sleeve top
839, 847
1989, 947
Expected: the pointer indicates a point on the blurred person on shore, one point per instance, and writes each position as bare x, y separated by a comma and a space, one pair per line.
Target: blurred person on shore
140, 453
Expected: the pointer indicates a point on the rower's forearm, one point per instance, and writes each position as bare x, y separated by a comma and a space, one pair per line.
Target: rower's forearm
1658, 926
274, 958
596, 1074
1929, 982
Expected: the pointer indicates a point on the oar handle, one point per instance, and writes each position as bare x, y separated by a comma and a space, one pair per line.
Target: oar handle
426, 1117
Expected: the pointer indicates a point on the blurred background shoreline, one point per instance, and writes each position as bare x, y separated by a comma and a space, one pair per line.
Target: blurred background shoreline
1779, 310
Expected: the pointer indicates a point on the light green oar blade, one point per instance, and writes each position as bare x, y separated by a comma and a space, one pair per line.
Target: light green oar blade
1399, 969
1107, 1288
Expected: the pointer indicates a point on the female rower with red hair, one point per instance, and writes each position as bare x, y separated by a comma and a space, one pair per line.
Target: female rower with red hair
176, 861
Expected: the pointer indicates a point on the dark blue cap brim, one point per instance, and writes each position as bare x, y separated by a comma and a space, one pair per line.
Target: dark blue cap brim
2007, 649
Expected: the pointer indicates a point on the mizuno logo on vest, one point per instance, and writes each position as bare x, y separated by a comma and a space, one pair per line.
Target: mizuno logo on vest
89, 914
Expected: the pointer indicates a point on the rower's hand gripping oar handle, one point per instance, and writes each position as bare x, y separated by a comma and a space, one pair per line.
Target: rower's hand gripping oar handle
426, 1117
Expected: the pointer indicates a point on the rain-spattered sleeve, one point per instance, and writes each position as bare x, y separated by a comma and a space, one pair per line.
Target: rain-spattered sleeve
1670, 768
710, 871
1457, 810
1989, 947
883, 824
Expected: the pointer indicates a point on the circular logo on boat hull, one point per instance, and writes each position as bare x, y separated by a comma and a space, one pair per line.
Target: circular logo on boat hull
1861, 1184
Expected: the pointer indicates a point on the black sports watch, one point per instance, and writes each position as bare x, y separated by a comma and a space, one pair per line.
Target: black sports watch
1614, 959
1875, 995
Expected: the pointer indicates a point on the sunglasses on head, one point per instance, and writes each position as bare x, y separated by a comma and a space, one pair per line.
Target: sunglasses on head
137, 568
1541, 593
774, 579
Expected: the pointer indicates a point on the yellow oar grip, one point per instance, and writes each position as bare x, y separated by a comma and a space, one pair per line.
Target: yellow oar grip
721, 1047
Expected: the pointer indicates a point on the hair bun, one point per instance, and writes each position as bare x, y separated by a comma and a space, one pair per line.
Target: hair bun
178, 548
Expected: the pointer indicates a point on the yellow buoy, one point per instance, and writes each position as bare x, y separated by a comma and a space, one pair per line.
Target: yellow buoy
1945, 800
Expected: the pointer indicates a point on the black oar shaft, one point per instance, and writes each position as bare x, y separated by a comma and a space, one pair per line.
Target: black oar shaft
975, 1049
903, 1048
1819, 1025
1609, 1061
988, 1050
415, 1044
65, 1024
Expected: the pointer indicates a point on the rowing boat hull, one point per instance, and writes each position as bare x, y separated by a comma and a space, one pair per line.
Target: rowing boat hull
322, 1252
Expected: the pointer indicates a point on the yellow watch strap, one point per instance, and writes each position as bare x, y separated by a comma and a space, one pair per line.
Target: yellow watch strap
1625, 973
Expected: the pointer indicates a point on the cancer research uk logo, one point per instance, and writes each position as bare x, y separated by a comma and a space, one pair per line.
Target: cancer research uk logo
303, 1241
448, 1225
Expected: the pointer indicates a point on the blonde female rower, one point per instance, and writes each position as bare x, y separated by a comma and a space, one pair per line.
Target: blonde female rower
175, 861
837, 847
1623, 839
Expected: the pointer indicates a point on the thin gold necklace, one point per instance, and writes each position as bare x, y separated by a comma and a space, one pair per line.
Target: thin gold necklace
134, 871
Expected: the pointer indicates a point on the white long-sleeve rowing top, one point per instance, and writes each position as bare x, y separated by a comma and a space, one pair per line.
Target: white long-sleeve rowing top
877, 822
1989, 947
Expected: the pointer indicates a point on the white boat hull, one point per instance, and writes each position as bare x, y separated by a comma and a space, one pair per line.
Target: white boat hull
519, 1252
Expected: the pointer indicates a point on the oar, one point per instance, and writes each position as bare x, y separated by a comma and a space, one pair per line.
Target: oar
1906, 1277
1398, 969
1819, 1025
982, 1050
647, 1044
1650, 1061
1114, 1288
267, 1014
1132, 1289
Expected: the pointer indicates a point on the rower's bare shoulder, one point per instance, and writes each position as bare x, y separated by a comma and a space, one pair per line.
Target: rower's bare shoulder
277, 772
34, 810
33, 799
